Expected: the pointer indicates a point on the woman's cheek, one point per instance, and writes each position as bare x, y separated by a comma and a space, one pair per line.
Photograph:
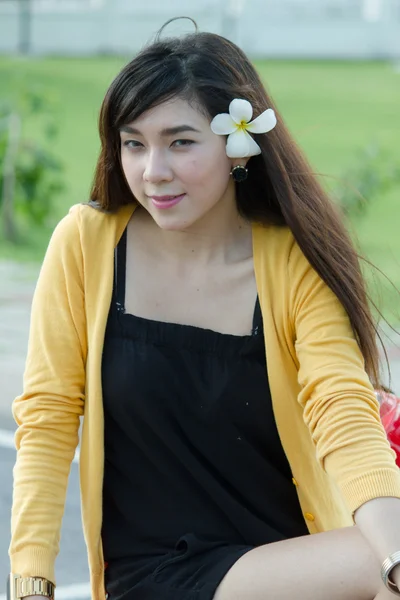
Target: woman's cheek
131, 172
125, 165
200, 167
189, 170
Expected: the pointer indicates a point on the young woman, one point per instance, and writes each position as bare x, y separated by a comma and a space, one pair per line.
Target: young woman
206, 313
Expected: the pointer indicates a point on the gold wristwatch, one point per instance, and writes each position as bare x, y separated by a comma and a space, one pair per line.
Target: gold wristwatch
19, 587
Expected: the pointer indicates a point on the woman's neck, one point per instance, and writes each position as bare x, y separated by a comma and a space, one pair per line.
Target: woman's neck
221, 236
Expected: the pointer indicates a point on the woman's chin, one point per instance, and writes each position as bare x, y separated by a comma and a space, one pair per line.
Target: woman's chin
172, 224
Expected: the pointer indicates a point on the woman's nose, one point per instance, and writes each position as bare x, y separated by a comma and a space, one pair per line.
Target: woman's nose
157, 168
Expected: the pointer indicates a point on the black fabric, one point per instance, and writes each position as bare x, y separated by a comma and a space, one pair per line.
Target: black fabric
191, 571
195, 474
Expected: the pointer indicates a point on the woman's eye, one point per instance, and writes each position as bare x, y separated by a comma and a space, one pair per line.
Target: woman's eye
180, 143
132, 144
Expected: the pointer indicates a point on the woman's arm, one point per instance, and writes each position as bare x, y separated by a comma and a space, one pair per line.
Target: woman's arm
341, 409
48, 411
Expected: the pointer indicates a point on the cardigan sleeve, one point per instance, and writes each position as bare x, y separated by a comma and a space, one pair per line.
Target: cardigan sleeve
339, 403
48, 411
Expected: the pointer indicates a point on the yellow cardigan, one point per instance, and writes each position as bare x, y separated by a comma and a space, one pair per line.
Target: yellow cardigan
325, 408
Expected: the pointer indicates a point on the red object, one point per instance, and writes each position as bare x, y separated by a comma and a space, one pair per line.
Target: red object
390, 417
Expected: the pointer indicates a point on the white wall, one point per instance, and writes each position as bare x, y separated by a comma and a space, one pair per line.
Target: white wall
274, 28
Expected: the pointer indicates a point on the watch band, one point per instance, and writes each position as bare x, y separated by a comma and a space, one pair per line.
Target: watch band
20, 587
388, 565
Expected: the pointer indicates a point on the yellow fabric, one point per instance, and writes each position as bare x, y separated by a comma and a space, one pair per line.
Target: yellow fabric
325, 408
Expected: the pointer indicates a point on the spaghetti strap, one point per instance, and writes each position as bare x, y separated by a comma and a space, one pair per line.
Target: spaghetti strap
120, 273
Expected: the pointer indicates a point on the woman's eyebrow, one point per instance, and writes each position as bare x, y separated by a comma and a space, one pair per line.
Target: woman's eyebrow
164, 132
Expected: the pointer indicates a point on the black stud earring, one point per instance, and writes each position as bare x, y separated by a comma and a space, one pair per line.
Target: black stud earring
239, 173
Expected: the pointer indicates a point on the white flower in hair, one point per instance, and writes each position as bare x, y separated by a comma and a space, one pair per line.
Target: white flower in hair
237, 124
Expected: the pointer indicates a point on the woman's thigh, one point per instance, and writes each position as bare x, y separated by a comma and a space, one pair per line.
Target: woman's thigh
336, 565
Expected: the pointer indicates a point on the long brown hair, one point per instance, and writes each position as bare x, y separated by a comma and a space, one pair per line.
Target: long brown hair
210, 71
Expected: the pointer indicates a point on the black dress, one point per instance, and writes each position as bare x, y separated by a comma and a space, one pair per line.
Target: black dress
195, 474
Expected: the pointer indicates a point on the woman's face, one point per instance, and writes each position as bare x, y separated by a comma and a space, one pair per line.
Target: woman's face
175, 166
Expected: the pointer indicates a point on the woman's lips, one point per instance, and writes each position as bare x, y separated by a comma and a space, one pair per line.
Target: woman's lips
166, 201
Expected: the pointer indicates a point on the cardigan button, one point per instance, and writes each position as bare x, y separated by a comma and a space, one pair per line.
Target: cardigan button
294, 482
309, 517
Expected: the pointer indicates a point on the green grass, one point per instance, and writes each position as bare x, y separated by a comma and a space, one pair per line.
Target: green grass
333, 109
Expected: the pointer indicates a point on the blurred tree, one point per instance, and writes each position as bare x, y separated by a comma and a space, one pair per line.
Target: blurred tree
9, 149
30, 174
372, 174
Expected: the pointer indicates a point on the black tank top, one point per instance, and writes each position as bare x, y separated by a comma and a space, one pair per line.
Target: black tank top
191, 443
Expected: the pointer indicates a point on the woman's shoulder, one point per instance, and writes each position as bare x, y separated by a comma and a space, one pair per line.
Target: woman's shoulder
278, 251
275, 240
87, 231
91, 214
91, 223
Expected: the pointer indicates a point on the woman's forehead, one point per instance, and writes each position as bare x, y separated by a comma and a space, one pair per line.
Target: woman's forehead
171, 113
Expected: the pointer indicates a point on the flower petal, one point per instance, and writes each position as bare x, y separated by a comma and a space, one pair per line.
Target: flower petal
254, 148
223, 124
240, 110
263, 123
237, 145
